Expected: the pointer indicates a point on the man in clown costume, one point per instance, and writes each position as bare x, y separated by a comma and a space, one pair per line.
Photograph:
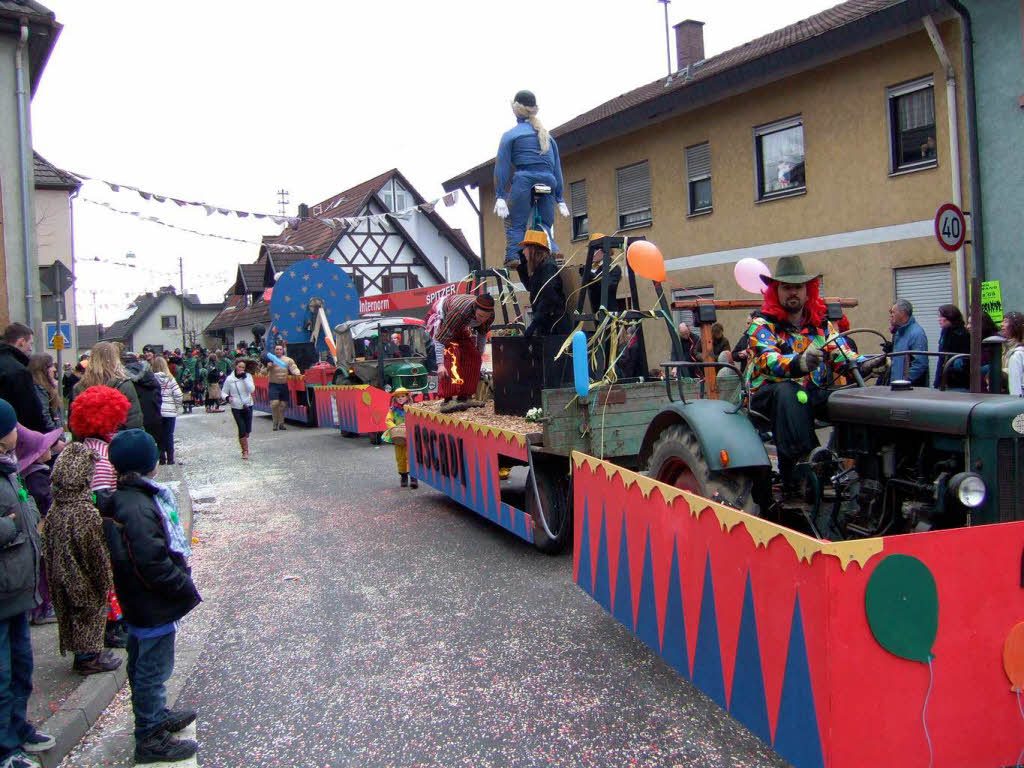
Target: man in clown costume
458, 327
527, 155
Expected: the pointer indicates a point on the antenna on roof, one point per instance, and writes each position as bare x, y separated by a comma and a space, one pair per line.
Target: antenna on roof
668, 45
282, 200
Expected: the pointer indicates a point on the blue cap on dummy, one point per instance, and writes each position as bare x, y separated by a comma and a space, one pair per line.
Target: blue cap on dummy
8, 418
133, 451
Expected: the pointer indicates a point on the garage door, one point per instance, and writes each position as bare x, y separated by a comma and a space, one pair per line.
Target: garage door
927, 288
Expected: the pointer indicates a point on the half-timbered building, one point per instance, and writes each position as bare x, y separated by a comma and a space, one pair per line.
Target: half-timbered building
410, 248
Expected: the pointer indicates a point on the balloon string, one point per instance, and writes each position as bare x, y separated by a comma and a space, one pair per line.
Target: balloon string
1021, 708
924, 712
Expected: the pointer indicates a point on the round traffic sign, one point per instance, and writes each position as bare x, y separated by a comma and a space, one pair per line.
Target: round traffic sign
950, 227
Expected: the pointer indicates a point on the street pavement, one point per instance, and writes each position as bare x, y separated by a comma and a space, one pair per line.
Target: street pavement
350, 622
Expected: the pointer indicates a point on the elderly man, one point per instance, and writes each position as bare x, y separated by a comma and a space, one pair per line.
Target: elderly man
691, 351
458, 331
540, 275
790, 360
908, 335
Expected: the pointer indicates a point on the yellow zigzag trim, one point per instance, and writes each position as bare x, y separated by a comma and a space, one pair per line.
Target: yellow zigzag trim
761, 531
480, 429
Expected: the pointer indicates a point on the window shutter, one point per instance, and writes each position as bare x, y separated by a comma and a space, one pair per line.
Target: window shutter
385, 284
634, 188
578, 197
698, 162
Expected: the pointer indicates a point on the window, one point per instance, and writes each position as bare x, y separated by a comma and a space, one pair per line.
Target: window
168, 322
633, 187
578, 206
395, 196
399, 282
690, 294
912, 125
698, 177
780, 158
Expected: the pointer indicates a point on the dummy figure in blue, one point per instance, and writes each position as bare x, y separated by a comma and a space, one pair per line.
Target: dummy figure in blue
527, 155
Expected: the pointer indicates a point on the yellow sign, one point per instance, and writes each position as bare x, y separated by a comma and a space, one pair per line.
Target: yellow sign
992, 300
58, 341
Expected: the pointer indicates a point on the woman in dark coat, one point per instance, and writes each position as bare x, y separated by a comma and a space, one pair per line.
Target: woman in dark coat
955, 338
547, 295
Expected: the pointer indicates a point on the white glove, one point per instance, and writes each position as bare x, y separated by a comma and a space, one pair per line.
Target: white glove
501, 208
563, 209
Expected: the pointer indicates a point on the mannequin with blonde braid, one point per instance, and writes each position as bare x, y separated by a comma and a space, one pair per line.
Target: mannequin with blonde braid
527, 155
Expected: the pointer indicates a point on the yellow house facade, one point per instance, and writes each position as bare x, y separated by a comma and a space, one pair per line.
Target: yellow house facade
844, 161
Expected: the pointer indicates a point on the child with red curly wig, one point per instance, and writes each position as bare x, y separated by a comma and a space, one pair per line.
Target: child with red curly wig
96, 416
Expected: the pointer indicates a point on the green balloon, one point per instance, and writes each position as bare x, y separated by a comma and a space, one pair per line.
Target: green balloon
801, 397
902, 605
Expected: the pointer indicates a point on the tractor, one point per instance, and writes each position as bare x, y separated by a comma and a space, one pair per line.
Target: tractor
386, 353
899, 459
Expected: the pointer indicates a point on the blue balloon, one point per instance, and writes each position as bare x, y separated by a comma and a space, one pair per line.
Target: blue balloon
276, 360
580, 369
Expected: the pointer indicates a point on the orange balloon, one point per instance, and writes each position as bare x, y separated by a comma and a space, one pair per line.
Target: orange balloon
1013, 657
645, 259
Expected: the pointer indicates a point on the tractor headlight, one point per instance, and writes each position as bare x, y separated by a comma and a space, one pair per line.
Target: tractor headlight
969, 489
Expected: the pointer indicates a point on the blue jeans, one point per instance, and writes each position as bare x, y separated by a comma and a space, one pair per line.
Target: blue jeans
15, 684
519, 220
168, 432
150, 663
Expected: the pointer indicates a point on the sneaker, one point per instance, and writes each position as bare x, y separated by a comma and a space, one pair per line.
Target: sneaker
414, 483
20, 760
179, 719
281, 427
46, 618
101, 662
38, 742
162, 747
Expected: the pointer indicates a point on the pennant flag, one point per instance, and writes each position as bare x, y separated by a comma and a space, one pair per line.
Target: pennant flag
451, 198
178, 202
144, 195
209, 210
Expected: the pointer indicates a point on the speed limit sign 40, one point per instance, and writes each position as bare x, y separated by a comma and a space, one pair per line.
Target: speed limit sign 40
950, 227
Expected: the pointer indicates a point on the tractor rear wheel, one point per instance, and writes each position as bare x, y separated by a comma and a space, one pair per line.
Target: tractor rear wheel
677, 459
554, 486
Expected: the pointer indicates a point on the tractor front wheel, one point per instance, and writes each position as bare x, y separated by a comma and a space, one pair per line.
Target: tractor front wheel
678, 460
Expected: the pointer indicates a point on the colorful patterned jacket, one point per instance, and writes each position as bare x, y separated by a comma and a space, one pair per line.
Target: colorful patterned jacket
775, 345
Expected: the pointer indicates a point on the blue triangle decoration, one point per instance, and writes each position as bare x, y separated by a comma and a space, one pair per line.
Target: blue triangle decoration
647, 613
623, 606
673, 644
707, 659
747, 702
492, 512
478, 501
602, 582
796, 735
583, 578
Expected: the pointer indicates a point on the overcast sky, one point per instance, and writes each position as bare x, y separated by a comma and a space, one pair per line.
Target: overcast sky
226, 102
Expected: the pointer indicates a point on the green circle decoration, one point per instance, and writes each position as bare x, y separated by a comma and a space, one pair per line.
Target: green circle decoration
902, 606
801, 397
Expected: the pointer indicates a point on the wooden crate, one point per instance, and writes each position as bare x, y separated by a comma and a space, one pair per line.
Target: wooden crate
617, 417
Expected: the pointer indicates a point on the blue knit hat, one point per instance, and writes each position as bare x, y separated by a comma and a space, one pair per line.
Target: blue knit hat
8, 418
133, 451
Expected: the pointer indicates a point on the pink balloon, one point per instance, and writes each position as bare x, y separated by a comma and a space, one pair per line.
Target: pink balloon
748, 274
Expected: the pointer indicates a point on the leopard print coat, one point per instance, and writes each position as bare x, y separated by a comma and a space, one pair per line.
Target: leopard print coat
76, 555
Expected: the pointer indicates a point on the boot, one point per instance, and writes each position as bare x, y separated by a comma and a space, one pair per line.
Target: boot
241, 443
161, 746
114, 636
245, 447
96, 664
449, 406
170, 455
413, 482
405, 479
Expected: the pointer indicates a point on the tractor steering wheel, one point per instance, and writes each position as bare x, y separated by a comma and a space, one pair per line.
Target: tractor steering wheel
850, 364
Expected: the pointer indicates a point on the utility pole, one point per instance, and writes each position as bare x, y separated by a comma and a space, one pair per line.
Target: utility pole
282, 201
668, 45
181, 299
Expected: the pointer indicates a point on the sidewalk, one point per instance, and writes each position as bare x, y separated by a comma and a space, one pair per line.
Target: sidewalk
65, 704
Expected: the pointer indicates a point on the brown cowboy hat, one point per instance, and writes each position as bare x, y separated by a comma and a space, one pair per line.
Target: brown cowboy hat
789, 269
536, 237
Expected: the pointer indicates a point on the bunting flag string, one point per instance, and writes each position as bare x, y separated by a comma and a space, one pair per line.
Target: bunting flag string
448, 199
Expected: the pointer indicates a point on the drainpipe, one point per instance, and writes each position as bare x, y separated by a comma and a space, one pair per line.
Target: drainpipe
967, 47
21, 94
954, 146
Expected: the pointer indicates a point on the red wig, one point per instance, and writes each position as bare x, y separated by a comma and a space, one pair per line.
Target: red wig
98, 412
814, 308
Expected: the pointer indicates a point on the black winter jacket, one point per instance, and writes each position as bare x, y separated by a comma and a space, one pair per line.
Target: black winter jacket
547, 299
19, 545
147, 389
153, 584
18, 389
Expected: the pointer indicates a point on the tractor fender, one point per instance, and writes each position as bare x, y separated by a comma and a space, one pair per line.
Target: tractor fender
717, 429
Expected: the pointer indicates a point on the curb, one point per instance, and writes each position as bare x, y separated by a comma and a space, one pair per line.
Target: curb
90, 699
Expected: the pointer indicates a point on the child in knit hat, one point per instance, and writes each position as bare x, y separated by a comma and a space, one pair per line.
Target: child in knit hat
148, 552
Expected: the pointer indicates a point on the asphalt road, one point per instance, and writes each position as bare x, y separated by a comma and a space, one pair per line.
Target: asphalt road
350, 622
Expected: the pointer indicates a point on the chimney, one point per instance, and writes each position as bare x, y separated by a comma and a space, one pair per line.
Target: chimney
304, 209
689, 42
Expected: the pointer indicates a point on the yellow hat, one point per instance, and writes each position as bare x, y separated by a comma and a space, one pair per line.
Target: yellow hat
399, 391
536, 237
596, 236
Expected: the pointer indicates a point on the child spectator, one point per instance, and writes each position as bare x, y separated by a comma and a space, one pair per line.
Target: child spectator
96, 415
396, 434
33, 454
19, 573
148, 552
75, 552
